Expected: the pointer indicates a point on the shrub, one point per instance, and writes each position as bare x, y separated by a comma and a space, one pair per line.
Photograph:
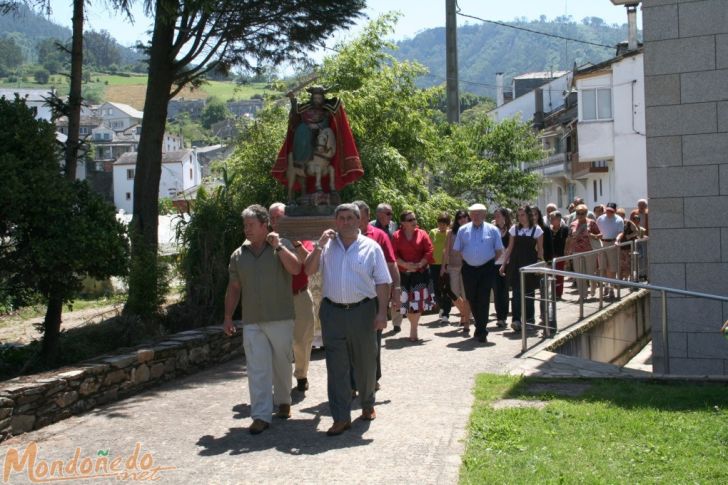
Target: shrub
41, 76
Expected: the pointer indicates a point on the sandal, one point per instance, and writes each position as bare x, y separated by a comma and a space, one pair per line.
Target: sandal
413, 339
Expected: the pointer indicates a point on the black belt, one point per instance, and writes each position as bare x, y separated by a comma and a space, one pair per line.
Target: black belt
346, 306
490, 261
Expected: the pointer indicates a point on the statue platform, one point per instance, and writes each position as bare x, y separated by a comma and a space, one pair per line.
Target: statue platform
305, 227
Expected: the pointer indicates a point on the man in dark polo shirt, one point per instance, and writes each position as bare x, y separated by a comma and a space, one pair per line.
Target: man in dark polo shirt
260, 274
355, 296
303, 326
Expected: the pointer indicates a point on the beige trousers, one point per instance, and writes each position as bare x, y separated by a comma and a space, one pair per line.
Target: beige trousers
268, 361
302, 332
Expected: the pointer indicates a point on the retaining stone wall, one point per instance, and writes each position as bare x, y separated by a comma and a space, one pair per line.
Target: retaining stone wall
32, 402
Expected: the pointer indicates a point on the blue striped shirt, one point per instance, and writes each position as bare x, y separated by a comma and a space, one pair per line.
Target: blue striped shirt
478, 245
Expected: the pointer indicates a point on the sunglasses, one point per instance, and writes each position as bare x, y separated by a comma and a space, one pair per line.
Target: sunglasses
463, 217
411, 219
581, 213
387, 214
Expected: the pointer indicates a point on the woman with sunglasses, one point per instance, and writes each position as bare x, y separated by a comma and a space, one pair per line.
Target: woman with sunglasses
581, 234
452, 265
524, 248
413, 251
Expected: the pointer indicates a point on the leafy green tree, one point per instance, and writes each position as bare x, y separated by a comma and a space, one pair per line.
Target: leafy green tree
11, 55
53, 231
215, 110
484, 161
100, 49
52, 55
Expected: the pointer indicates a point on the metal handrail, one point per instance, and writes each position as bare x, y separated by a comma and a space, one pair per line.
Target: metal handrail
539, 268
634, 269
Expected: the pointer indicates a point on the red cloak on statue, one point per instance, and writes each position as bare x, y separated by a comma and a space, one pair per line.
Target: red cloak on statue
346, 162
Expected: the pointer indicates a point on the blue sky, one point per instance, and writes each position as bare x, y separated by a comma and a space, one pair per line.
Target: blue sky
417, 14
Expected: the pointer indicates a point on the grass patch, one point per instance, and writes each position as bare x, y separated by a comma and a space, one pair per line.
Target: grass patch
38, 310
231, 90
612, 431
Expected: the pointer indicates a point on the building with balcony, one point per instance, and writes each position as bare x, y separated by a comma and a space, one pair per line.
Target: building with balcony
611, 165
591, 123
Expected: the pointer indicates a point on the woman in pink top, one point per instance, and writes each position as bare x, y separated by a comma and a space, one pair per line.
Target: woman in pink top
413, 251
581, 234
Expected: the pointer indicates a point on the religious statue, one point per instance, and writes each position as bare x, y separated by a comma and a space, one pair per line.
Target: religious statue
319, 156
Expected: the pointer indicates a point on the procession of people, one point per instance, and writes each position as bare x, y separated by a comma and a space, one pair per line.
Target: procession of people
375, 271
368, 271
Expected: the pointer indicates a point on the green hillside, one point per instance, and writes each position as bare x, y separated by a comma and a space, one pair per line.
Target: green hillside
485, 49
27, 28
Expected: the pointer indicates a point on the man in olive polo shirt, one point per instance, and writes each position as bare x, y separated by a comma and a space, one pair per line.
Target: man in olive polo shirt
260, 273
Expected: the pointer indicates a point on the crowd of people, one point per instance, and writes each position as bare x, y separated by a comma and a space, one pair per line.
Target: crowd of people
374, 271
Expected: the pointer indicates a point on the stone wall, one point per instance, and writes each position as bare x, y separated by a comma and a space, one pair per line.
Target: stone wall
32, 402
686, 96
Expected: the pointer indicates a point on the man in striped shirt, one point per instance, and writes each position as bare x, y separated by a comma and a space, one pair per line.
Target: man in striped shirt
355, 295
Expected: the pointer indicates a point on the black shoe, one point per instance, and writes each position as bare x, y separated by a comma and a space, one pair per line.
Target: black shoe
466, 331
302, 385
396, 329
483, 339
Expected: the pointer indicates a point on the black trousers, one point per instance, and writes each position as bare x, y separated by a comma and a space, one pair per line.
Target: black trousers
443, 301
478, 282
500, 295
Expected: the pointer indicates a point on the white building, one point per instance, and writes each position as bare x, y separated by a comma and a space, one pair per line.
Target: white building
119, 116
526, 105
34, 98
595, 141
612, 158
181, 175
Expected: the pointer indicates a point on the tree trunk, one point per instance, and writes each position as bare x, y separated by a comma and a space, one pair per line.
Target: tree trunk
74, 95
144, 297
52, 328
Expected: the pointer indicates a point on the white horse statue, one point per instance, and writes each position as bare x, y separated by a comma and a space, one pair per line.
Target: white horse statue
318, 166
320, 163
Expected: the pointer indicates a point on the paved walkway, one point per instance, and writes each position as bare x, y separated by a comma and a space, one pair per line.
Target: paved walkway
199, 424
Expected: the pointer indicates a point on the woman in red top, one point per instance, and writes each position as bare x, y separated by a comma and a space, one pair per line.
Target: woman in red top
413, 251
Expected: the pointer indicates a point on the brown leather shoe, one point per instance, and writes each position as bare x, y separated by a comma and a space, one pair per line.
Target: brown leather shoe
284, 411
338, 428
369, 414
258, 426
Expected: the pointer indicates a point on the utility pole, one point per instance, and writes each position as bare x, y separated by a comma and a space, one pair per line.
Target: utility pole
451, 48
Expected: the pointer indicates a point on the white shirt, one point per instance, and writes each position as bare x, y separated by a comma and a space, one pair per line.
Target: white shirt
525, 231
351, 275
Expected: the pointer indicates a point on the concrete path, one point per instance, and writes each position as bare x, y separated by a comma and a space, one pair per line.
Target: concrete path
199, 424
